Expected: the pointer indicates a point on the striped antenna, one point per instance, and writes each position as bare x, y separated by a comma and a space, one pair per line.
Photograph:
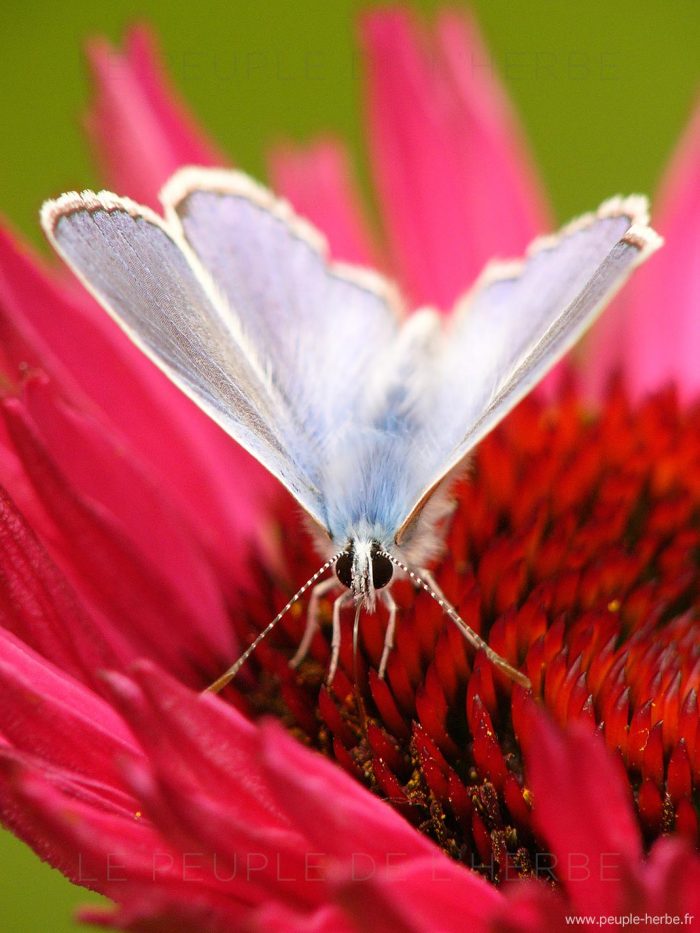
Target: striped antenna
474, 640
228, 675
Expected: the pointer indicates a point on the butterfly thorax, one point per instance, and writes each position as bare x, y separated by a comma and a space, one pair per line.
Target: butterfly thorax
364, 568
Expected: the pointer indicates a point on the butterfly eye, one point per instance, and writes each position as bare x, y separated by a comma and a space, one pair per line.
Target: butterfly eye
382, 571
343, 567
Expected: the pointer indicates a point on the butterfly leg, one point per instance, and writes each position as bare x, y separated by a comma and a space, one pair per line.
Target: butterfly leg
341, 601
432, 583
312, 619
390, 604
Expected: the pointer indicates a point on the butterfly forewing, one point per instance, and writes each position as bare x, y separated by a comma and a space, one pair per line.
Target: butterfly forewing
319, 329
518, 322
142, 275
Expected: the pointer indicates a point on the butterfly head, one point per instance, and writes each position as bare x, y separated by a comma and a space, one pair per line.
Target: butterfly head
364, 568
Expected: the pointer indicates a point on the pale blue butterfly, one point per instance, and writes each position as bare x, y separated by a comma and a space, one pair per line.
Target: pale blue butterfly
365, 416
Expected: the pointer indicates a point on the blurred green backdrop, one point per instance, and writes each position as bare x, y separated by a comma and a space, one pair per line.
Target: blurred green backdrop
603, 88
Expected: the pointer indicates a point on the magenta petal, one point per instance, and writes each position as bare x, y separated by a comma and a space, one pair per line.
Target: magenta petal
606, 346
430, 893
448, 160
583, 810
652, 333
279, 916
139, 127
664, 325
76, 785
672, 879
119, 853
93, 460
196, 821
202, 741
27, 300
102, 560
338, 814
48, 713
38, 604
531, 907
200, 749
367, 903
152, 909
215, 483
75, 836
318, 180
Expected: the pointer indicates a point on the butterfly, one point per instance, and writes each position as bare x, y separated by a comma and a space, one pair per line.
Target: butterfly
365, 414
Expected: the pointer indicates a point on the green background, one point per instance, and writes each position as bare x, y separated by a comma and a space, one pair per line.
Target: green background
603, 88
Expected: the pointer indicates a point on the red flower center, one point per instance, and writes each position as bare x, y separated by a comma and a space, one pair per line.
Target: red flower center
575, 552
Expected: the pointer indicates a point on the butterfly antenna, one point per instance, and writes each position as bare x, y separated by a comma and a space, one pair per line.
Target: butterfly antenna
228, 675
475, 640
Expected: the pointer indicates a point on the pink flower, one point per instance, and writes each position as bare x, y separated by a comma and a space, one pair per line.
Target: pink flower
648, 349
132, 90
132, 529
447, 155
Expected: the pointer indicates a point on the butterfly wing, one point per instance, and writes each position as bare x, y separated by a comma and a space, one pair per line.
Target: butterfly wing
320, 328
140, 272
233, 297
518, 321
304, 362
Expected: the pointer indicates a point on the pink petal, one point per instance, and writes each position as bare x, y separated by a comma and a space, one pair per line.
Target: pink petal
94, 461
671, 879
138, 125
605, 346
664, 330
194, 821
24, 291
153, 910
72, 834
278, 916
454, 184
217, 486
431, 893
119, 854
338, 814
76, 785
115, 577
582, 808
201, 741
48, 713
201, 747
83, 841
370, 908
531, 907
319, 182
652, 334
38, 604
